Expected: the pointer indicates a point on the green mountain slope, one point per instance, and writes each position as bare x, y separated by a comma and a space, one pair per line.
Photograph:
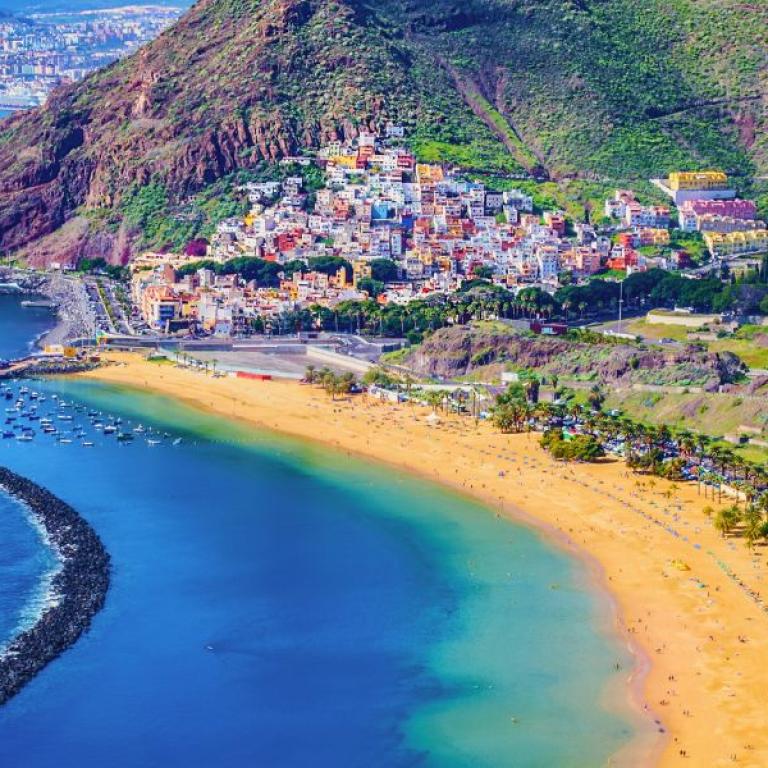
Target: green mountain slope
606, 90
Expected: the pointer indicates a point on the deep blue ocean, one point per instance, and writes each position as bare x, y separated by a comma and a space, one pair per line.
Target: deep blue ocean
21, 326
280, 604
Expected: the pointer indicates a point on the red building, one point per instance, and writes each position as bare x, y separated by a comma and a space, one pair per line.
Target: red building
548, 329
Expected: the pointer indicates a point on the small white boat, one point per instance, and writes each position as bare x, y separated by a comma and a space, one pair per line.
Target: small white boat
152, 443
177, 441
88, 444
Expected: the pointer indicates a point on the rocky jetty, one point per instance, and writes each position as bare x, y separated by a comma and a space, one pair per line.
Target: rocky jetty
29, 368
80, 586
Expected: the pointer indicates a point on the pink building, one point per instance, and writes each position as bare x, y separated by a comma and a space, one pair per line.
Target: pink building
691, 212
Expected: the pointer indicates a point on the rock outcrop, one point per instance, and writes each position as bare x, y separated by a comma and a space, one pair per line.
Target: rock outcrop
459, 351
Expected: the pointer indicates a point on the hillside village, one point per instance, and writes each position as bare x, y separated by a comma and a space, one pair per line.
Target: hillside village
372, 222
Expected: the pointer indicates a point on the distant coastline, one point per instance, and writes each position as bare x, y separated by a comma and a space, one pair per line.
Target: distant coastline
78, 588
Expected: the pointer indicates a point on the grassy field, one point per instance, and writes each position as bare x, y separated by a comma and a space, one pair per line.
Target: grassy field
713, 413
657, 330
754, 453
750, 342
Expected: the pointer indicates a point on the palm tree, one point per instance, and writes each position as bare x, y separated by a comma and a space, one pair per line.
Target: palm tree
719, 457
309, 374
753, 522
595, 398
726, 519
503, 418
345, 382
329, 382
408, 386
435, 399
762, 502
663, 435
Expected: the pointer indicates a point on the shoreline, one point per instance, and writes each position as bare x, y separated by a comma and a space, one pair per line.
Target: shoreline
68, 312
695, 639
78, 587
652, 738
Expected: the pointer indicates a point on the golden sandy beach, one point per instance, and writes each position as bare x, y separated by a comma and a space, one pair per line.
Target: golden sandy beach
705, 637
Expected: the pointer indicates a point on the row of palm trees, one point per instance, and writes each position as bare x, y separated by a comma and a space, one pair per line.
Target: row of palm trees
752, 521
708, 459
186, 360
683, 454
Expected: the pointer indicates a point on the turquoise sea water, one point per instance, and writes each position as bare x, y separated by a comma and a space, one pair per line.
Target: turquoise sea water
279, 604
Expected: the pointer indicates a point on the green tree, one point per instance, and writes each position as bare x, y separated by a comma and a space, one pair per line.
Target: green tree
384, 270
726, 519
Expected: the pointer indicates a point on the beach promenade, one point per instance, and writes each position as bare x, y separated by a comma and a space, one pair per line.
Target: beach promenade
684, 595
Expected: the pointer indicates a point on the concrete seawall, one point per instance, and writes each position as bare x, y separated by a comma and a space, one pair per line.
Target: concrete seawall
329, 357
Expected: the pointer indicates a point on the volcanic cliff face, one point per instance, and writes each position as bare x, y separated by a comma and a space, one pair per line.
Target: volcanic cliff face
553, 87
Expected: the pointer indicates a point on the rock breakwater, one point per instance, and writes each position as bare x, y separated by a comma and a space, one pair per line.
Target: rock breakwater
80, 586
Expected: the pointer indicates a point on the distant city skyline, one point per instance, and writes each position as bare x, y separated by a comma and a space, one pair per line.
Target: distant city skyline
44, 47
15, 7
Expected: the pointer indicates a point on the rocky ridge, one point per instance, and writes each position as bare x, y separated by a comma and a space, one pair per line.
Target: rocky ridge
464, 350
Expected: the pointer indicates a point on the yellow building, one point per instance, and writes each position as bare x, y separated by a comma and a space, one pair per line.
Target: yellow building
697, 180
60, 350
344, 161
653, 236
722, 244
429, 174
360, 271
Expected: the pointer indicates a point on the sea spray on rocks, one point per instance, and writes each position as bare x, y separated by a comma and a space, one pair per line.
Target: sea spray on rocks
80, 586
